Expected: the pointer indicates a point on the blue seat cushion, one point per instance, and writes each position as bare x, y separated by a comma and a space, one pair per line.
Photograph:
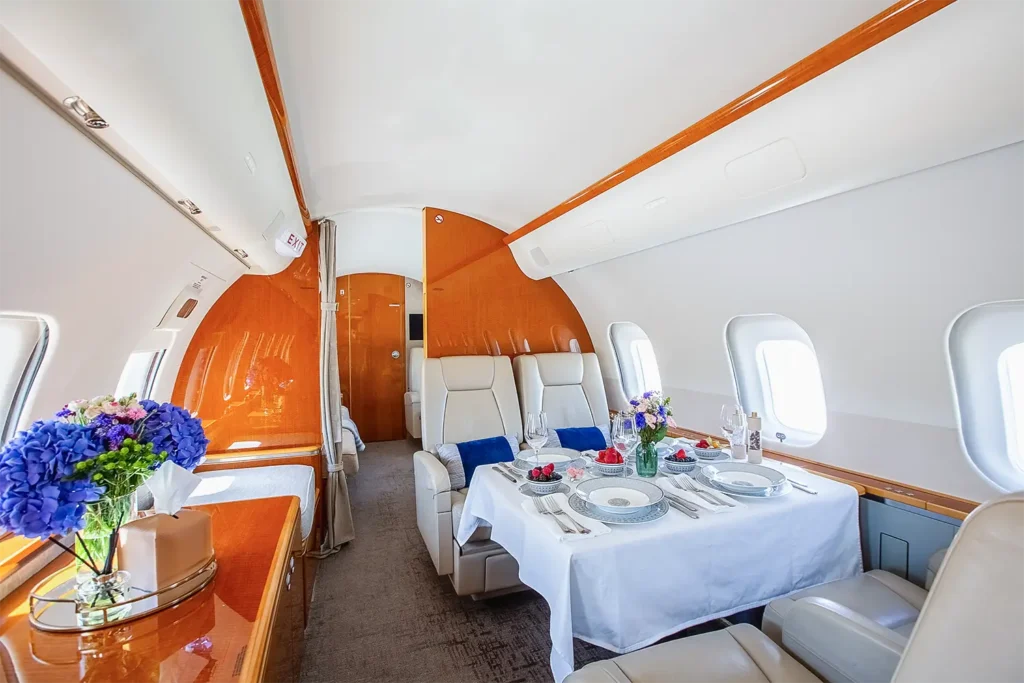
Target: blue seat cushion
582, 438
462, 459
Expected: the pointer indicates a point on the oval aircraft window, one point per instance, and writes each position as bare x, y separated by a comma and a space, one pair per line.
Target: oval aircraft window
777, 375
634, 354
23, 340
986, 359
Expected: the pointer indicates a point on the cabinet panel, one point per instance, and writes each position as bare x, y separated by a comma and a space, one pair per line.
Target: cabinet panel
900, 538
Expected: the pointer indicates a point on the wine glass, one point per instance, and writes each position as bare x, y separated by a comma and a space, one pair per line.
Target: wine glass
734, 426
536, 432
624, 436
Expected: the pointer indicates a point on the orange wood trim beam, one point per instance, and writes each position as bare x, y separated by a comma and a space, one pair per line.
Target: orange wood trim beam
886, 24
259, 36
939, 503
228, 456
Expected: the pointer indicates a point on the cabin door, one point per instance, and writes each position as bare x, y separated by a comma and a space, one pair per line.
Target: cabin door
371, 353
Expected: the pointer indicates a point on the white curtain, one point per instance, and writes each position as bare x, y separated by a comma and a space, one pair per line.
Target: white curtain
339, 528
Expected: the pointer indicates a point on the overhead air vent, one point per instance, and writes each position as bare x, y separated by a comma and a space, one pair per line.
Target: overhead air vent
190, 206
88, 114
539, 258
187, 308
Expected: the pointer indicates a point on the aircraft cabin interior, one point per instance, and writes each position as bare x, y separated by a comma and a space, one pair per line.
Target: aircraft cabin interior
421, 341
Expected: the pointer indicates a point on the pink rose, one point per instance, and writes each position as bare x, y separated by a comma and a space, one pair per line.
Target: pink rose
136, 413
650, 419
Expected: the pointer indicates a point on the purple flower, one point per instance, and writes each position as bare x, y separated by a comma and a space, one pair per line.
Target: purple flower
648, 394
633, 402
116, 434
640, 421
36, 498
172, 429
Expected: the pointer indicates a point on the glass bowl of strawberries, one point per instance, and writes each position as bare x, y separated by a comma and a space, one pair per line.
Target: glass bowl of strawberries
680, 462
609, 462
544, 480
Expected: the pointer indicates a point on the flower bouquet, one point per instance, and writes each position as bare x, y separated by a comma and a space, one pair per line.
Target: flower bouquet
652, 415
78, 473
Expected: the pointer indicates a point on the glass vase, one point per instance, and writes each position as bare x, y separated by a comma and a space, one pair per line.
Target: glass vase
647, 460
95, 541
99, 598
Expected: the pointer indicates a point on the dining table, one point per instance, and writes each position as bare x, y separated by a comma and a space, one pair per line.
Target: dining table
633, 585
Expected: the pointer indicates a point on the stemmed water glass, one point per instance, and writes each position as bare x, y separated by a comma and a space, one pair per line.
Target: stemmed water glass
536, 432
734, 427
624, 436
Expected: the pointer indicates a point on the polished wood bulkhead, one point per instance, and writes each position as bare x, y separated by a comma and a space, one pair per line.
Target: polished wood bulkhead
886, 24
251, 371
477, 301
371, 328
246, 625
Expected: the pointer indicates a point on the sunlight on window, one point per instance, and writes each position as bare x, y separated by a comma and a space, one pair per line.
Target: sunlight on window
646, 365
23, 342
1011, 385
139, 374
794, 392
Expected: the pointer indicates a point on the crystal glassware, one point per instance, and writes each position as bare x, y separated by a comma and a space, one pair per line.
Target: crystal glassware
536, 432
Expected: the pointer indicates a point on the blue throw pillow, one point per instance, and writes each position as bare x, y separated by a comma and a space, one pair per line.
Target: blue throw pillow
462, 459
582, 438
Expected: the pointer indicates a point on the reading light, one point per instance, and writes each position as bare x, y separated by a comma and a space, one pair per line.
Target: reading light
88, 114
241, 252
191, 206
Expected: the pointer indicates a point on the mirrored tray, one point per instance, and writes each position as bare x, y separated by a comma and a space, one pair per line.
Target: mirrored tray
52, 606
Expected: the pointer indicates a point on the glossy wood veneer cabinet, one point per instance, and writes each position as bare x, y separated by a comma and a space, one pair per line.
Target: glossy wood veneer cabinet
246, 626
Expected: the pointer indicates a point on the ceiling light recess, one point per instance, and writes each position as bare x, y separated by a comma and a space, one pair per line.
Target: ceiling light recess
655, 203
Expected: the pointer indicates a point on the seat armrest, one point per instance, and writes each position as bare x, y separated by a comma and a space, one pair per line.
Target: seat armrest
433, 509
431, 474
841, 645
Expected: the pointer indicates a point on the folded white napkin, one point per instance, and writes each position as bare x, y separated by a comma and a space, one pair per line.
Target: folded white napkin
549, 523
664, 483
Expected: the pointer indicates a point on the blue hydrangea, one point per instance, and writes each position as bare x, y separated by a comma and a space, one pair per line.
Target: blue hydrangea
36, 499
172, 429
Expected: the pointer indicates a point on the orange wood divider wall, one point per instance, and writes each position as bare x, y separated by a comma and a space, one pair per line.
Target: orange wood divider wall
478, 301
251, 371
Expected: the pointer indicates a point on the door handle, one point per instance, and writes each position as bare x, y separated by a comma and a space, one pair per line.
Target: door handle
395, 354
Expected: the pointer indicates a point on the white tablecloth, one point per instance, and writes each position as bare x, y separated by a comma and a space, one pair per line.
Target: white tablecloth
634, 586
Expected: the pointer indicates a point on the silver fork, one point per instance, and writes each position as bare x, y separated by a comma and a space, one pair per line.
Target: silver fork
714, 498
544, 511
557, 509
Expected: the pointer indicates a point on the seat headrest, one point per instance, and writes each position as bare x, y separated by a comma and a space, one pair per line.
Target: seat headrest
560, 369
467, 373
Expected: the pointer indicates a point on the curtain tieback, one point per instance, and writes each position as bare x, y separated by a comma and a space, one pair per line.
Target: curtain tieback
333, 467
325, 306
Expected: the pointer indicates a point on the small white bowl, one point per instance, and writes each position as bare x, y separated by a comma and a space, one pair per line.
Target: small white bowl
543, 488
609, 469
676, 467
707, 453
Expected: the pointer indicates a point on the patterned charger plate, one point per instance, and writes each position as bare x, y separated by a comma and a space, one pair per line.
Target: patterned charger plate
651, 514
698, 474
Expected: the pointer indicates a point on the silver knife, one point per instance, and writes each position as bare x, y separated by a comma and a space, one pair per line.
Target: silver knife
685, 503
509, 469
677, 506
803, 487
504, 474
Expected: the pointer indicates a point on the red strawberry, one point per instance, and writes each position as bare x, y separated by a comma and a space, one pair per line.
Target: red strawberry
703, 443
549, 468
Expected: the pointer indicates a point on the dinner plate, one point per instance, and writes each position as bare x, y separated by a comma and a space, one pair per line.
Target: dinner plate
743, 477
561, 458
653, 513
698, 474
619, 495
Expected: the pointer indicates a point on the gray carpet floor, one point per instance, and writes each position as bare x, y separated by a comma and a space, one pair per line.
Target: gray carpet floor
381, 613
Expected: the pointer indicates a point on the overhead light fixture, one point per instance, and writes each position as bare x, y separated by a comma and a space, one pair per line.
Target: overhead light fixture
88, 114
241, 252
191, 206
655, 203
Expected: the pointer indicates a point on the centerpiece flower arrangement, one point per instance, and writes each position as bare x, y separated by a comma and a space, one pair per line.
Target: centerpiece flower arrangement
651, 413
78, 473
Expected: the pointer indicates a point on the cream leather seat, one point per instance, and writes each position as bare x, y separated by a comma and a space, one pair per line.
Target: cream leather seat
970, 628
464, 398
412, 397
566, 386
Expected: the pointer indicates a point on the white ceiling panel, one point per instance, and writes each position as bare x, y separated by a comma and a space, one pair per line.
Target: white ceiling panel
502, 110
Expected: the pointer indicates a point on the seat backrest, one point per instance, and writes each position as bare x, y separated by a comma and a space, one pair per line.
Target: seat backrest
466, 398
415, 369
971, 627
566, 386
